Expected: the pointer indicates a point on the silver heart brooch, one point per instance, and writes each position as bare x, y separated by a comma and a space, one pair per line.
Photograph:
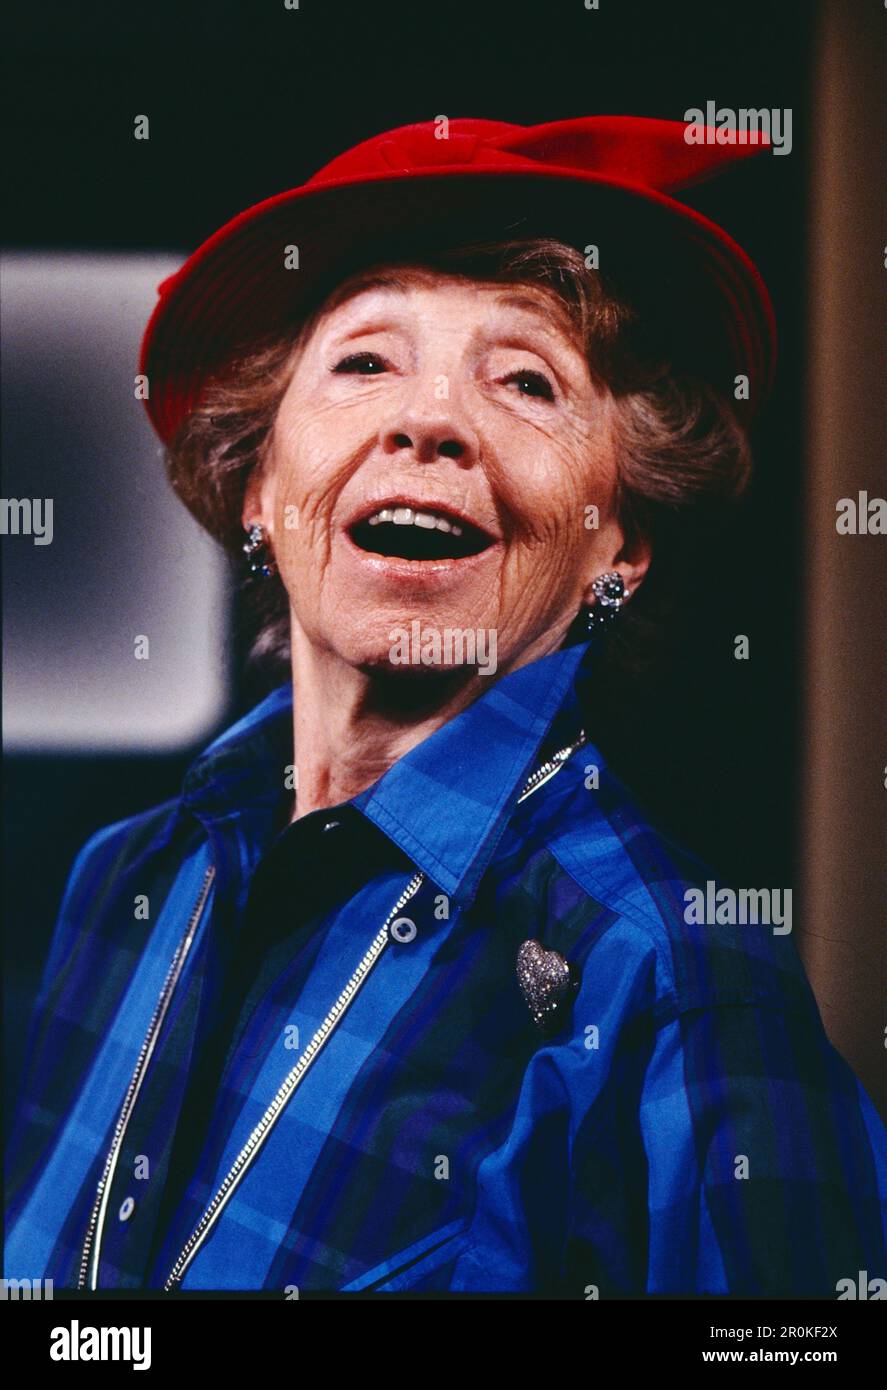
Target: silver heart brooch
548, 983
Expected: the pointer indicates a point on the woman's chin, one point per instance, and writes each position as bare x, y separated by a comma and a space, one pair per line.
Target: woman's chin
412, 649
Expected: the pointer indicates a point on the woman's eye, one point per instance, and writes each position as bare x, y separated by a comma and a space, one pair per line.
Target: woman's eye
362, 363
532, 384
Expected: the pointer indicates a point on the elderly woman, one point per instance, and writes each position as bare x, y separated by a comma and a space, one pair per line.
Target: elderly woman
400, 993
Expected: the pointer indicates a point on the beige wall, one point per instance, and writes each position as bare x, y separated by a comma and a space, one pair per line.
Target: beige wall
845, 749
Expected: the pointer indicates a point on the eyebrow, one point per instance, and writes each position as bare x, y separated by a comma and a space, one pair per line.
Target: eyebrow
547, 310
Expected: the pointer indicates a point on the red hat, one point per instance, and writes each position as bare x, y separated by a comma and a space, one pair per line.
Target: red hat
596, 180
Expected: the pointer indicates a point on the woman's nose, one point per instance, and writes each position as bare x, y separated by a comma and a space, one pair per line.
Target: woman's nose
430, 436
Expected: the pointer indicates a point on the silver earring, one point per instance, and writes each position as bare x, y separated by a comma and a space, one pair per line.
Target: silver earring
610, 593
258, 553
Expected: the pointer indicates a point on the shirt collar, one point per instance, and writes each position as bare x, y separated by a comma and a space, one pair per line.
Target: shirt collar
445, 803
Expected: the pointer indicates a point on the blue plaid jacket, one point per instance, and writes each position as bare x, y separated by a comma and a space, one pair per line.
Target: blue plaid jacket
297, 1057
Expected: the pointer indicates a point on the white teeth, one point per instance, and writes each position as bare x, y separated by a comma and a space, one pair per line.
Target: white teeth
406, 516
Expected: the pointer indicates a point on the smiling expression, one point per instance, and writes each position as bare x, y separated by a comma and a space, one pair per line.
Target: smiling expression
435, 457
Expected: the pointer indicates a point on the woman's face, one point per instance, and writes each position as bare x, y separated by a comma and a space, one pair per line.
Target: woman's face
440, 456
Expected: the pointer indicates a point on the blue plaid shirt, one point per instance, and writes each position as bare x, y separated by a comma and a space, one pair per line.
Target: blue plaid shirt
278, 1057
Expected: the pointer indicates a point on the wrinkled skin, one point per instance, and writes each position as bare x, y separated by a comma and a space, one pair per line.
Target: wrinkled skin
476, 397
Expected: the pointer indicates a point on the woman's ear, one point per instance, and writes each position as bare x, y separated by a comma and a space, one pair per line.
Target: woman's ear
630, 559
256, 500
633, 561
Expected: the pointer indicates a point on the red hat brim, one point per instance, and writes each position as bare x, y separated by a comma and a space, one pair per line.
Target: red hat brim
709, 305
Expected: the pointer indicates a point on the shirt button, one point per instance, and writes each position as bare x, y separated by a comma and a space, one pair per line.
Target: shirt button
127, 1207
403, 930
331, 825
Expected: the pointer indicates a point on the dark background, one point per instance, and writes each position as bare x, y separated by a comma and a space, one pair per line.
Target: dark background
247, 99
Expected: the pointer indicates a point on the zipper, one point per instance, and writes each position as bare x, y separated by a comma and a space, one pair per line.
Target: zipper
262, 1130
554, 764
89, 1260
91, 1255
275, 1109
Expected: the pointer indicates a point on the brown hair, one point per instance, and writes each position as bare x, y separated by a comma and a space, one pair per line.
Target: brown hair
680, 445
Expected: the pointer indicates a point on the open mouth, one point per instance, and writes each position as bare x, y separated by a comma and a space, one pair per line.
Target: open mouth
410, 534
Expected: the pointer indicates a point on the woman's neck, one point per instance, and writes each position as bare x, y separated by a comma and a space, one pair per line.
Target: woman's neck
350, 725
